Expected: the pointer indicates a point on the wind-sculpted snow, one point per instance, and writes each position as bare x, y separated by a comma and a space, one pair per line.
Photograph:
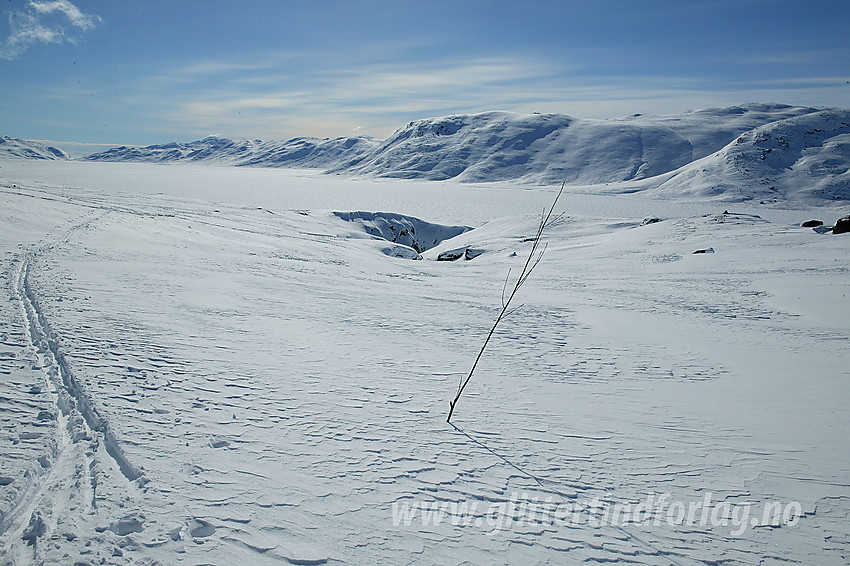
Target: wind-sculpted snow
282, 385
25, 149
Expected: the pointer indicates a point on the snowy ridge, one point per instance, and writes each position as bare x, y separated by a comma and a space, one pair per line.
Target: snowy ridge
555, 148
800, 158
735, 153
25, 149
494, 146
763, 152
297, 152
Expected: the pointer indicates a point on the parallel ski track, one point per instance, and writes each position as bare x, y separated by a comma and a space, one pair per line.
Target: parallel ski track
85, 443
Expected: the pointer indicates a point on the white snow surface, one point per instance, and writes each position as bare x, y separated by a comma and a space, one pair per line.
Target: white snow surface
752, 151
211, 365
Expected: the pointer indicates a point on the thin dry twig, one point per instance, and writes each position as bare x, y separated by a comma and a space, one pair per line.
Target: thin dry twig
534, 257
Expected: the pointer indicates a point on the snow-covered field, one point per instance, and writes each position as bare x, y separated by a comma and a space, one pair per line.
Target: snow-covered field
206, 365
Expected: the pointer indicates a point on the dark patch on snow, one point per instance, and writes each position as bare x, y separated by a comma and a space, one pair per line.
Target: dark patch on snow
842, 225
401, 229
465, 253
201, 529
35, 529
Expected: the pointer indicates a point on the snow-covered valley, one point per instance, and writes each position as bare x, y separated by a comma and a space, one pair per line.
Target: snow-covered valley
214, 364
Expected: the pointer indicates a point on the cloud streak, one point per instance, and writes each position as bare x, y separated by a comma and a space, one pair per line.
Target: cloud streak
270, 101
54, 21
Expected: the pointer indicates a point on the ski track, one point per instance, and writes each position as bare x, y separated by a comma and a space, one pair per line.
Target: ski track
268, 371
83, 454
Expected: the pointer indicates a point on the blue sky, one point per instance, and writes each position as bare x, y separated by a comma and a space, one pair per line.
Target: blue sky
125, 72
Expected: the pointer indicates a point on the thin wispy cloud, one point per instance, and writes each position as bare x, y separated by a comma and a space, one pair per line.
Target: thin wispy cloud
271, 101
54, 21
221, 94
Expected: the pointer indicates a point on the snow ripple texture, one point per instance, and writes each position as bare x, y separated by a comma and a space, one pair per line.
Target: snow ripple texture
279, 384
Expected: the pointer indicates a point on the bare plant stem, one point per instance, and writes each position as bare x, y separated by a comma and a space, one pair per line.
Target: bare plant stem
534, 257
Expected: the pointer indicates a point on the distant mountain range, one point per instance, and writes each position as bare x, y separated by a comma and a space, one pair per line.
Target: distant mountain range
750, 151
297, 152
25, 149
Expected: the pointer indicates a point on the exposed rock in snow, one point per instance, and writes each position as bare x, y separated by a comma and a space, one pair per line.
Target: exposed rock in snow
128, 524
465, 253
842, 226
400, 229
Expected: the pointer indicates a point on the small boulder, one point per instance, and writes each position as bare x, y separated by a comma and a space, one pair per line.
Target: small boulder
842, 225
812, 223
465, 253
128, 524
705, 251
452, 255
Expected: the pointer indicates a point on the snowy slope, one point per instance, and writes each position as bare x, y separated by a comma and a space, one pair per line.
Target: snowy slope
802, 158
554, 148
25, 149
297, 152
735, 153
215, 381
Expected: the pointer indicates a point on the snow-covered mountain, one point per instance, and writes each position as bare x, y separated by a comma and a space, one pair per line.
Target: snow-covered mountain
25, 149
555, 148
807, 156
297, 152
495, 146
752, 151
